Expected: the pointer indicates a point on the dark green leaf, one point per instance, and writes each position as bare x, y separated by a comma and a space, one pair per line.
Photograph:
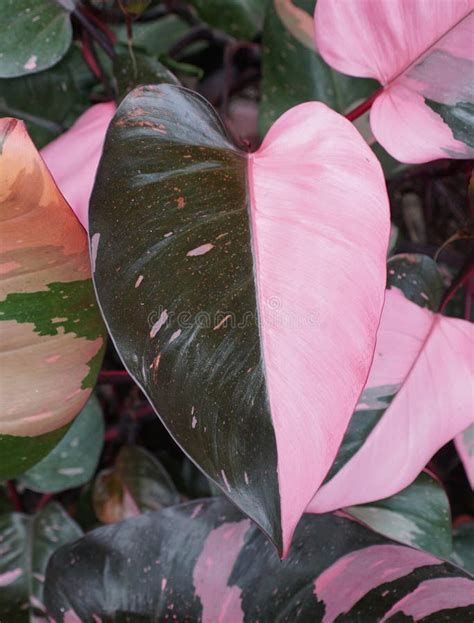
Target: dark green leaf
50, 101
463, 545
131, 72
36, 34
240, 18
460, 118
203, 561
136, 484
74, 460
154, 37
294, 73
418, 516
26, 544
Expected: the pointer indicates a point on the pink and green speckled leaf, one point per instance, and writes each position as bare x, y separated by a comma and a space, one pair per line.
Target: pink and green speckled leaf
418, 395
243, 291
204, 561
51, 333
422, 54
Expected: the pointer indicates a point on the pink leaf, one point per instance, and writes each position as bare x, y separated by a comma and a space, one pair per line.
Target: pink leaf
74, 156
428, 358
421, 52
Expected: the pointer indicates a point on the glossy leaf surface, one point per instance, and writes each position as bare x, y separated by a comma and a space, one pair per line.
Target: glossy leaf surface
422, 370
26, 544
36, 34
422, 53
74, 460
50, 328
137, 483
418, 516
204, 562
83, 143
141, 69
215, 271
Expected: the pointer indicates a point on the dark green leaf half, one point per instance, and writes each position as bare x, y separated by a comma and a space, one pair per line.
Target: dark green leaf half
459, 117
203, 561
74, 460
131, 72
26, 544
463, 545
36, 34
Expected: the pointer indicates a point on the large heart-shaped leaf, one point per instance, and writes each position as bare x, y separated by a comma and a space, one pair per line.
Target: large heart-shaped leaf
422, 53
83, 144
74, 460
225, 277
418, 395
418, 516
204, 562
50, 328
36, 34
464, 443
26, 544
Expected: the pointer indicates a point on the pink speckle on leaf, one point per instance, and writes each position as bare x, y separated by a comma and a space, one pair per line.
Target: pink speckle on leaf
138, 281
194, 422
204, 248
10, 576
159, 323
31, 63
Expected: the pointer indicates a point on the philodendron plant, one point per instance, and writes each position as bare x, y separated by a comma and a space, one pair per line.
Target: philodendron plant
305, 364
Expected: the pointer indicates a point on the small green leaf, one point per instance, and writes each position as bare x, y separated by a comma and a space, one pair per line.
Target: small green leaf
36, 34
418, 516
74, 460
131, 72
240, 18
294, 73
136, 484
26, 544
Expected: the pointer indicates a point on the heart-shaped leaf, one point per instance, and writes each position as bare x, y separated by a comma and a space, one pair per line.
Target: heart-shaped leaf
36, 34
83, 143
74, 460
50, 328
137, 483
225, 277
464, 443
26, 544
418, 394
204, 562
418, 516
422, 53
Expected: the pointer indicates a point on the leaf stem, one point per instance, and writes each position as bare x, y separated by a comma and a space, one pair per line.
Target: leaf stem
114, 377
366, 105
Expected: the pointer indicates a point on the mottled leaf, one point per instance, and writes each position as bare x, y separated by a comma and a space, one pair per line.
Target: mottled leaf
422, 54
137, 483
215, 271
418, 516
74, 460
422, 371
51, 333
26, 544
36, 34
203, 561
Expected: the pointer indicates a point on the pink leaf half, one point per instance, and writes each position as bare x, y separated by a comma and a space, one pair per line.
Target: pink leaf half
417, 50
428, 357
